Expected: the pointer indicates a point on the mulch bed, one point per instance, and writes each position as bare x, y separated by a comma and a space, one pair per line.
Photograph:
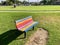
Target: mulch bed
38, 38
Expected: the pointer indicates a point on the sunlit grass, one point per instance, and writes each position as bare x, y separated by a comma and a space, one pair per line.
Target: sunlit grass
48, 21
49, 7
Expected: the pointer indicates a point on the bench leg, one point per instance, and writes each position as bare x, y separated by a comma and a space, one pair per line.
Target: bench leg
33, 27
24, 34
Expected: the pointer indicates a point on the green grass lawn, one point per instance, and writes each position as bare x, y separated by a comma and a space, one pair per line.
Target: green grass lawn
56, 7
49, 21
10, 36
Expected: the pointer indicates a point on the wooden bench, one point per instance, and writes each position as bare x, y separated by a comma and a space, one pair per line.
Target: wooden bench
25, 24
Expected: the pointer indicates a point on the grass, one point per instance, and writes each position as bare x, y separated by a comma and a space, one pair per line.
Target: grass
56, 7
10, 36
49, 21
8, 33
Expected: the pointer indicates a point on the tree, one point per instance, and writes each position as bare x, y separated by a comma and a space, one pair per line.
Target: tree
10, 2
48, 1
43, 2
51, 1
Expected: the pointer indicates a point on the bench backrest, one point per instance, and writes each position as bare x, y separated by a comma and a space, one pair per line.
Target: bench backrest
24, 22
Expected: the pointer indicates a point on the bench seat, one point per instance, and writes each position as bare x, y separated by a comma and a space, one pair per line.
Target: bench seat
29, 27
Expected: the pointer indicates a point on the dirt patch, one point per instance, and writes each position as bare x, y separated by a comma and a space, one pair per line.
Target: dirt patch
38, 38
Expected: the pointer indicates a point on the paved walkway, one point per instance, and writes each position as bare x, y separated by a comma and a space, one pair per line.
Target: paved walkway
33, 11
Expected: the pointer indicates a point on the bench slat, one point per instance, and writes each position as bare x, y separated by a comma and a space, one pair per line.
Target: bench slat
23, 19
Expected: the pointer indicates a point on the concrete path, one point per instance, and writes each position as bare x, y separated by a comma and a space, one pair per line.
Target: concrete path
33, 11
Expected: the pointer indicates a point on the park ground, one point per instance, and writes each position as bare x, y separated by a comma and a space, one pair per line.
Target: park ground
38, 8
48, 21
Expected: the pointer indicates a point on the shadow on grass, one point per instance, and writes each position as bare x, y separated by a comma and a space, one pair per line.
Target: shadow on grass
9, 36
